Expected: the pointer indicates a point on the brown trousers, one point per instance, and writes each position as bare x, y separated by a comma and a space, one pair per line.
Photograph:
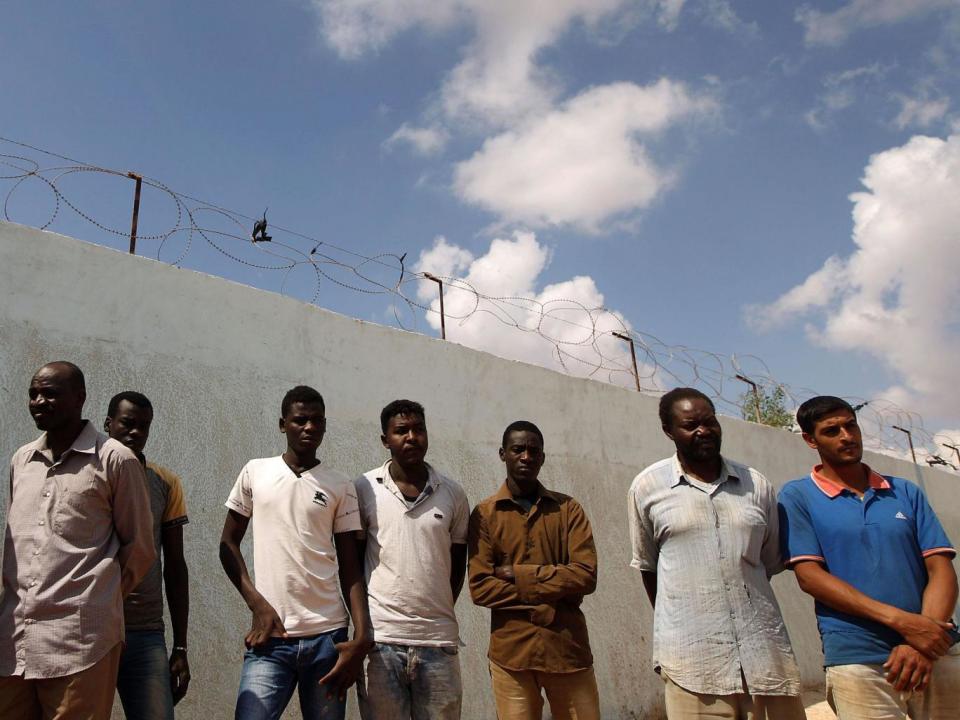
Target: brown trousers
85, 695
519, 694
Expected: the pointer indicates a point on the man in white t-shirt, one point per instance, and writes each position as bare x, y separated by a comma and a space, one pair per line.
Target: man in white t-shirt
304, 522
415, 531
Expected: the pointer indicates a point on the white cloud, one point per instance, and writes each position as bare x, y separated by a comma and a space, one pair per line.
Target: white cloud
921, 111
356, 27
583, 162
563, 326
423, 140
498, 80
897, 297
833, 27
841, 90
668, 12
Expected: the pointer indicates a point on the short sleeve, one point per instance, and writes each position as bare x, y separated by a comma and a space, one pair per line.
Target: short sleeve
347, 518
770, 553
798, 537
241, 496
175, 512
644, 550
931, 536
461, 519
358, 487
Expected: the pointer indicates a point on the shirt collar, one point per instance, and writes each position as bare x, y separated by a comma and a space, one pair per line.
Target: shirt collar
383, 477
832, 489
504, 493
727, 472
85, 442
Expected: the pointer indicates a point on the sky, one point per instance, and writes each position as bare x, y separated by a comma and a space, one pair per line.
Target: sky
769, 187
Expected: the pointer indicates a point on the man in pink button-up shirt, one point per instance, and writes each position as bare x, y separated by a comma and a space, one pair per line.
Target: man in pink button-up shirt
78, 539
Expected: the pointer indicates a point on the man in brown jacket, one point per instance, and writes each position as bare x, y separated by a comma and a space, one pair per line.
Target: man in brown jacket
532, 559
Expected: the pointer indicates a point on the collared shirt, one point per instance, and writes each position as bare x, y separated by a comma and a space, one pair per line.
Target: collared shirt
78, 538
536, 622
294, 518
143, 608
408, 563
713, 547
876, 543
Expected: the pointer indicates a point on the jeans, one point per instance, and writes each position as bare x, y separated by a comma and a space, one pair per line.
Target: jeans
271, 672
410, 681
143, 681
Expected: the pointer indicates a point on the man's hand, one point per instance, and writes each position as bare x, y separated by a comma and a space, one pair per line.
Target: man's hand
504, 572
925, 634
348, 667
266, 624
179, 674
908, 669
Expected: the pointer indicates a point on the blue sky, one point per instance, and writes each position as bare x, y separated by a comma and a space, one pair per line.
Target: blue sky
688, 164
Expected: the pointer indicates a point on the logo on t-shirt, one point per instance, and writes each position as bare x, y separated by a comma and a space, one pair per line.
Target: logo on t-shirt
320, 498
900, 516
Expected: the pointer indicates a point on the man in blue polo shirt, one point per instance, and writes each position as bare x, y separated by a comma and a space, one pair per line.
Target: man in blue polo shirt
872, 553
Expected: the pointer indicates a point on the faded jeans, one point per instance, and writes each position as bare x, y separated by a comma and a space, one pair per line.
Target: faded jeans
411, 681
143, 682
271, 672
861, 692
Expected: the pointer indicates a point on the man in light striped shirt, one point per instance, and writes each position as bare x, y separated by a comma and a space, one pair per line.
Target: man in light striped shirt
704, 537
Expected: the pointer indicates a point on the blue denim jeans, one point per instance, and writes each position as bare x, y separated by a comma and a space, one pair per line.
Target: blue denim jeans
405, 682
143, 681
272, 671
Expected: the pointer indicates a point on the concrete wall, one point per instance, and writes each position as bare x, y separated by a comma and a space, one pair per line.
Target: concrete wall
216, 357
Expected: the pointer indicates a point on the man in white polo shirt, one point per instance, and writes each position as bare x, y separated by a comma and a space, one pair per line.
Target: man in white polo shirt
304, 520
415, 530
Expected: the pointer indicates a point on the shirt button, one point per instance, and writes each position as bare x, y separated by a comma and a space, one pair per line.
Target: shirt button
41, 522
28, 621
46, 494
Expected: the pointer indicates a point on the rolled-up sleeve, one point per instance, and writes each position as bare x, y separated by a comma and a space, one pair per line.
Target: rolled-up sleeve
644, 551
132, 519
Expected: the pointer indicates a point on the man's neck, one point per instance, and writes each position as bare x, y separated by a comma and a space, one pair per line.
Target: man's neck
854, 476
705, 470
299, 463
523, 489
415, 476
60, 440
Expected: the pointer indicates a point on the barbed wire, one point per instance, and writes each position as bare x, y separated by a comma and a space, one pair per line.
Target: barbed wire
580, 338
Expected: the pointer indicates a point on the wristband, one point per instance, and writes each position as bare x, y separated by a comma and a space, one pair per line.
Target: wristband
181, 648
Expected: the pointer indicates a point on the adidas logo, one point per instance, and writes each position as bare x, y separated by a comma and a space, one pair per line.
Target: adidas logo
900, 516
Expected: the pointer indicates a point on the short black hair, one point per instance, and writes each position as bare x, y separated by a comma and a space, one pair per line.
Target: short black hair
669, 399
400, 407
817, 408
131, 396
73, 372
300, 394
520, 426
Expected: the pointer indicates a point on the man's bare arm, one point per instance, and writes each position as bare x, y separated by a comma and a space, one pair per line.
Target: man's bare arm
349, 665
266, 622
925, 634
177, 586
458, 568
650, 585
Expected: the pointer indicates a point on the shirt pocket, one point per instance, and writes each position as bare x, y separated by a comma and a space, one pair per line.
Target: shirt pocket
753, 528
80, 511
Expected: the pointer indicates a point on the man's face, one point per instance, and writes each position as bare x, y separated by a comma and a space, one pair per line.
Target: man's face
130, 425
837, 438
695, 430
523, 455
406, 438
304, 426
55, 400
